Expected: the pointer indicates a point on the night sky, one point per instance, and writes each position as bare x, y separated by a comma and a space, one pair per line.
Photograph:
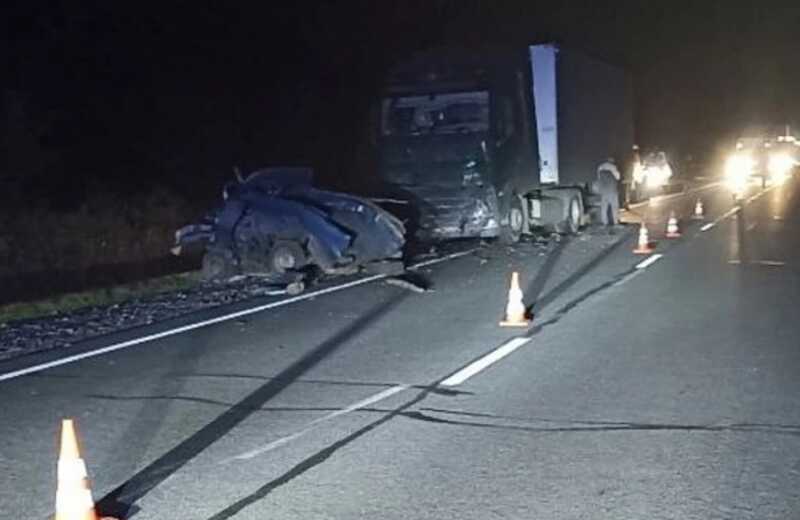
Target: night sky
123, 95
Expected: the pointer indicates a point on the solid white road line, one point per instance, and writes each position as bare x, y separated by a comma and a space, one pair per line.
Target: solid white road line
484, 362
380, 396
226, 317
649, 261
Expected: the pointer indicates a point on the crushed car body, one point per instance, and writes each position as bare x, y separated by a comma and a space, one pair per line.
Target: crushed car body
275, 224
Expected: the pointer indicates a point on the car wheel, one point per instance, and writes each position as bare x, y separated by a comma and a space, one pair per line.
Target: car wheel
217, 265
285, 256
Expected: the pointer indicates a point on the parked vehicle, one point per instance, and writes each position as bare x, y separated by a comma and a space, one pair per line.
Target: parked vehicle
651, 176
275, 224
499, 142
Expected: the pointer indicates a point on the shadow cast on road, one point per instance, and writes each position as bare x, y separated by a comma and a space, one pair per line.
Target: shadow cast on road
119, 502
541, 280
538, 284
319, 457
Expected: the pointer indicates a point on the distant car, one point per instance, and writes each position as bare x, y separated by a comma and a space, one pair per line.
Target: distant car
651, 176
275, 224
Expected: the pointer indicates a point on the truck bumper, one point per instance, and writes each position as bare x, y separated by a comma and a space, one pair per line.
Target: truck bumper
466, 213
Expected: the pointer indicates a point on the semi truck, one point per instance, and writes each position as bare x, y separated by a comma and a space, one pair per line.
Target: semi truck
499, 142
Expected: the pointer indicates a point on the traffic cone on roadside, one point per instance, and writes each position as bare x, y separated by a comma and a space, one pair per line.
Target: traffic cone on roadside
73, 496
698, 210
672, 226
515, 309
643, 247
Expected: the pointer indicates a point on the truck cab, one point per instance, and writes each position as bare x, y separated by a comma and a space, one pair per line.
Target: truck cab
452, 141
493, 142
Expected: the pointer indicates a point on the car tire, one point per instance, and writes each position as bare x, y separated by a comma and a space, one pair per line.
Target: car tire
217, 266
285, 256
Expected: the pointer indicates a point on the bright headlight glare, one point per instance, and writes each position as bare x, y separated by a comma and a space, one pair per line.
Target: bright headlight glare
657, 176
739, 166
780, 164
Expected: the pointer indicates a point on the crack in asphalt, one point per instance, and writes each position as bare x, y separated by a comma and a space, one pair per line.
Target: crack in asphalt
614, 426
228, 405
444, 391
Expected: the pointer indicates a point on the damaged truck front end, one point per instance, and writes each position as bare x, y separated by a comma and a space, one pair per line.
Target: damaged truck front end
444, 213
448, 138
433, 153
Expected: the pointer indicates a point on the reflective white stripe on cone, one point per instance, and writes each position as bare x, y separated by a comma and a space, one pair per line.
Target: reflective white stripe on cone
643, 247
515, 309
73, 495
698, 210
672, 226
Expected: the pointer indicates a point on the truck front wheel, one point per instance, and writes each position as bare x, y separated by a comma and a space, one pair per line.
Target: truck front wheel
513, 222
574, 216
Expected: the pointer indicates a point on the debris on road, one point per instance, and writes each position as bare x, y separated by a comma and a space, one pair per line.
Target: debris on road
408, 283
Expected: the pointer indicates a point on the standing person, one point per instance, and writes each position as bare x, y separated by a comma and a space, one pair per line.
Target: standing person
634, 177
608, 178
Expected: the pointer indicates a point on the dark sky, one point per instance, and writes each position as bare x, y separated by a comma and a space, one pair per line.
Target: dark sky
124, 93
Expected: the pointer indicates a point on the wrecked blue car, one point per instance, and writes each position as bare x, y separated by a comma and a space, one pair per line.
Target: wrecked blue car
275, 224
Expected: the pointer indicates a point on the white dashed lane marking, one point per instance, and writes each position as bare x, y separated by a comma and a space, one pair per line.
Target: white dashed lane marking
649, 261
486, 361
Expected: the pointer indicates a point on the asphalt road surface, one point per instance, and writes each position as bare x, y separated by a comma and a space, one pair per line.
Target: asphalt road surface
671, 390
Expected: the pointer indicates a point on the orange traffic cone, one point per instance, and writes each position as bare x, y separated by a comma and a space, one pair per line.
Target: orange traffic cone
698, 210
515, 309
643, 247
672, 226
73, 497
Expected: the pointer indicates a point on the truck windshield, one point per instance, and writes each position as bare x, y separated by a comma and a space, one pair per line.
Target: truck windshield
451, 113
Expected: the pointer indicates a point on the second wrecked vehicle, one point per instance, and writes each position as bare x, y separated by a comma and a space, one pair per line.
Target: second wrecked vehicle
275, 224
